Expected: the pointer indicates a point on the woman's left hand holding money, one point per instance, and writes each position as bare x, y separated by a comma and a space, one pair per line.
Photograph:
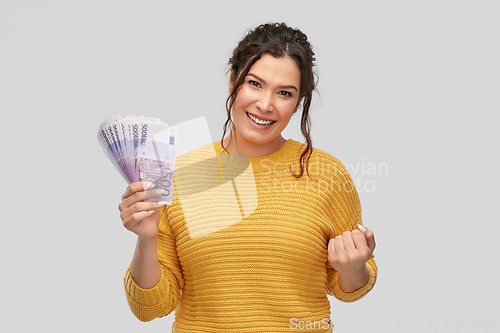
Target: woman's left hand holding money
348, 254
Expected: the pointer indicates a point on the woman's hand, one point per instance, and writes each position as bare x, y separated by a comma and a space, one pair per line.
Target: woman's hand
142, 218
348, 254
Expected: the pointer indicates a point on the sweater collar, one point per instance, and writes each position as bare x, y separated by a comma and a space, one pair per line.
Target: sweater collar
263, 163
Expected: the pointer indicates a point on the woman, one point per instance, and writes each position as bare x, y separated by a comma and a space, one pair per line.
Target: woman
260, 250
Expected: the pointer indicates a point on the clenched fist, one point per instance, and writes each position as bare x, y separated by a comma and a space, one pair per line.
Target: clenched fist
348, 254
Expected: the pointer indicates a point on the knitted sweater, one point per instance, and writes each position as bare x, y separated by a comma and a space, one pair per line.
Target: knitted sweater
243, 246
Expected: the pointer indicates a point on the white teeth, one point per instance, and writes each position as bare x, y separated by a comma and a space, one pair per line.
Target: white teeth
260, 122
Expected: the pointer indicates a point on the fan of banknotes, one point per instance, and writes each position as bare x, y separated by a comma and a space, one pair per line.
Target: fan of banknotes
141, 149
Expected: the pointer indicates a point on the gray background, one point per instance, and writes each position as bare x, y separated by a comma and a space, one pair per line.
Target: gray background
407, 86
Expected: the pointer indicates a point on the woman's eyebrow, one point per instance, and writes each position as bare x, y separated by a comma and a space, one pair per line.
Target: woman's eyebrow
282, 87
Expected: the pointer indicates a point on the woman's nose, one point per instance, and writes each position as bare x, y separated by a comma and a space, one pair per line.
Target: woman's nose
266, 102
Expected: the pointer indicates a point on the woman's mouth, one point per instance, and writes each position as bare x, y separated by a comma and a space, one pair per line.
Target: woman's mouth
260, 122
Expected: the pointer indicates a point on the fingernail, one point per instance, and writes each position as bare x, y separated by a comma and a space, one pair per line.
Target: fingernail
150, 186
151, 211
361, 228
162, 203
160, 191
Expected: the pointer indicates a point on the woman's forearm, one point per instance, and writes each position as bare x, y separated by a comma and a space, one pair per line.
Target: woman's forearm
354, 280
145, 267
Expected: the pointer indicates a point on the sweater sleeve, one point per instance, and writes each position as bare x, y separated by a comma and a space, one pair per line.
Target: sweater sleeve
346, 215
162, 299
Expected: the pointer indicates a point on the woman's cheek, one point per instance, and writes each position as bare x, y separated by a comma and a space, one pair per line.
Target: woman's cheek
246, 95
288, 108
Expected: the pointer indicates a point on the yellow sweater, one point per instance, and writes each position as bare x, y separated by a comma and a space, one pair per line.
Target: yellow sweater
243, 247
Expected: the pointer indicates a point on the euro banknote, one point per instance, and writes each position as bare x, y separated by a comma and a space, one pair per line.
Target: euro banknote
141, 149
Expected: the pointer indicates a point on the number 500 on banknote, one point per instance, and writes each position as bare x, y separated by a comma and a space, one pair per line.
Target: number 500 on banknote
157, 162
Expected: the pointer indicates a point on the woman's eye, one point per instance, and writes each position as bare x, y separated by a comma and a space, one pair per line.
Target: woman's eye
254, 83
285, 93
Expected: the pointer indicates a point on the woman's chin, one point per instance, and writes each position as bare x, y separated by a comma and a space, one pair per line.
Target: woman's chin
257, 138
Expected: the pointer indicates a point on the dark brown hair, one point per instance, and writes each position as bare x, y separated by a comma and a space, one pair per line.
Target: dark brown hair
279, 40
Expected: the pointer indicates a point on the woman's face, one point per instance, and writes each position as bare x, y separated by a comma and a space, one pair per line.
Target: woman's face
270, 92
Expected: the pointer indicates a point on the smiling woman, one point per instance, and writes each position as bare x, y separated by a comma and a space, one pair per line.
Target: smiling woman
264, 105
284, 57
241, 248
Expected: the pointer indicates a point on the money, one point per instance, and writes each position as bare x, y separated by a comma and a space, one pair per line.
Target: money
141, 149
157, 162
